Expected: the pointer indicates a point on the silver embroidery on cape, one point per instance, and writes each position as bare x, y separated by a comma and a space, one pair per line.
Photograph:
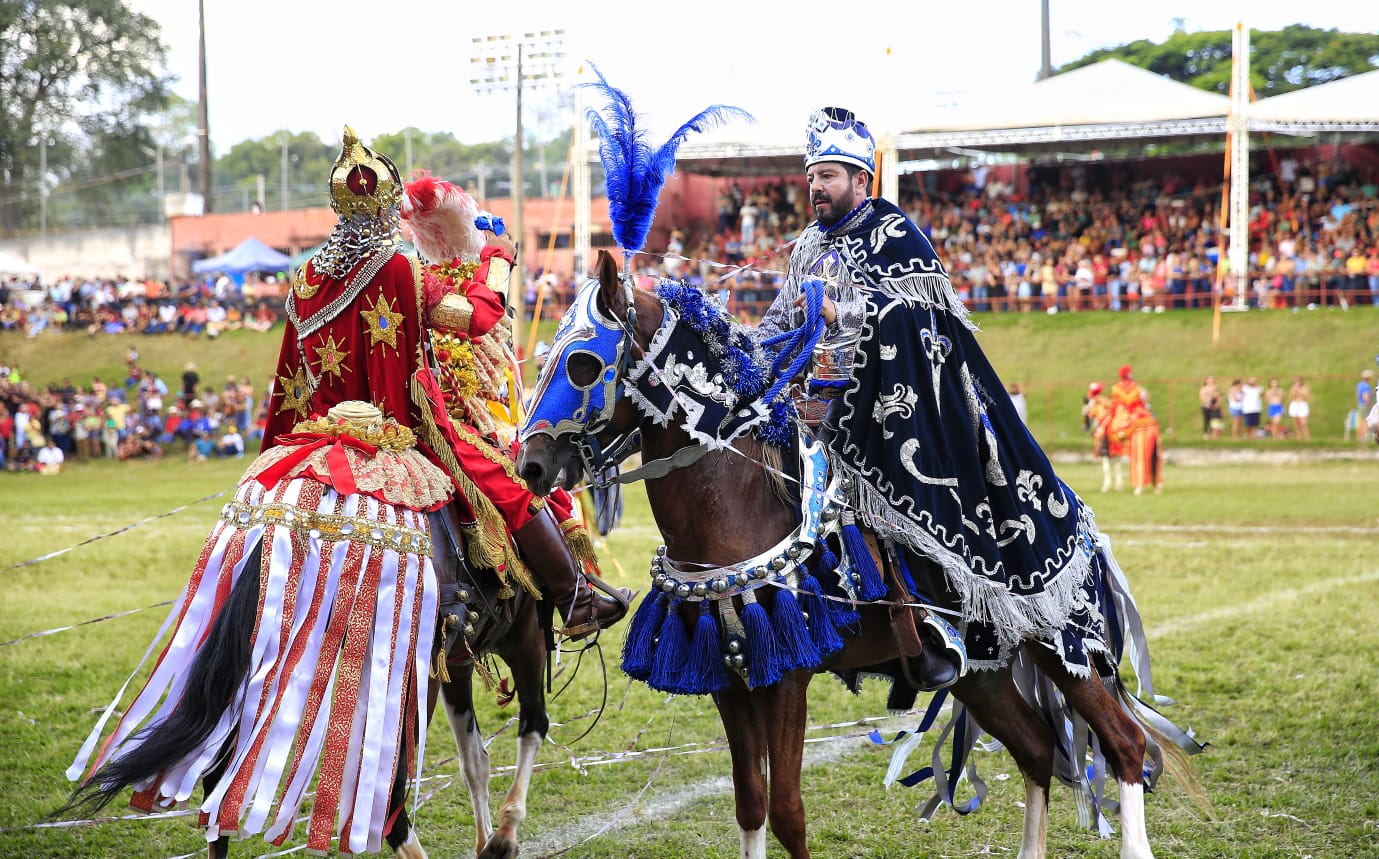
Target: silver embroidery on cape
900, 401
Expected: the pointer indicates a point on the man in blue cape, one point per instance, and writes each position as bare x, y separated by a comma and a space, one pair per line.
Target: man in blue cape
942, 474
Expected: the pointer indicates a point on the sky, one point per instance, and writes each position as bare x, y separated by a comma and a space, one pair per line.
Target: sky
315, 65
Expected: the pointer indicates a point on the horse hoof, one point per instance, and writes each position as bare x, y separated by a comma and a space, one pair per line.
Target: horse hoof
499, 848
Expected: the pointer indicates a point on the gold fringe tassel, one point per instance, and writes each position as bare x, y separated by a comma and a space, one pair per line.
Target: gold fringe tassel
581, 545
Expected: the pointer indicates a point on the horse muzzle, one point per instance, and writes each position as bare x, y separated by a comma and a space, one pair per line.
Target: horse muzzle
544, 462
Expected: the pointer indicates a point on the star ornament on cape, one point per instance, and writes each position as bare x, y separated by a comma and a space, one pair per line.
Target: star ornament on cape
332, 357
383, 322
295, 393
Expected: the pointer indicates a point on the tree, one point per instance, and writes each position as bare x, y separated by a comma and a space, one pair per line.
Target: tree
83, 75
1280, 60
308, 168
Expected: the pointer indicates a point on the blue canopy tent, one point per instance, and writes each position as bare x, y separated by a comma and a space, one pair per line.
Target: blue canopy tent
249, 255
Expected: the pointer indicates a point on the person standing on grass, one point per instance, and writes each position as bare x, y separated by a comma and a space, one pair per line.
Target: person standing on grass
1273, 404
1252, 406
1364, 402
1134, 433
1209, 399
1300, 408
1234, 396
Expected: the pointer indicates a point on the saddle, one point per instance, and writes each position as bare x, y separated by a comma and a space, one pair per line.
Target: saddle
473, 611
931, 650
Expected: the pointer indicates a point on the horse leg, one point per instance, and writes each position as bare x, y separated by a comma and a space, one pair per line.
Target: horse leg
474, 764
998, 707
1122, 742
219, 848
787, 708
527, 661
744, 723
400, 834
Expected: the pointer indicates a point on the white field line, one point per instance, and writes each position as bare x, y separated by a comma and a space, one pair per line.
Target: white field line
1247, 529
653, 804
1270, 602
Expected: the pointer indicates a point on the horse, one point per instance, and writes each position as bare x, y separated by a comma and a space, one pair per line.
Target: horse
714, 510
513, 626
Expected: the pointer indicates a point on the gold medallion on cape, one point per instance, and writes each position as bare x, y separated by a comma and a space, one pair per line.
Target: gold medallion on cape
332, 357
295, 393
301, 288
383, 322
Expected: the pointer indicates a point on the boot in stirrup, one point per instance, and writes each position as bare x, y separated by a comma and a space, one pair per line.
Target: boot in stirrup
944, 657
585, 603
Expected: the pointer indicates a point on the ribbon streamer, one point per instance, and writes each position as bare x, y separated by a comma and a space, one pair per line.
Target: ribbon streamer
57, 629
128, 527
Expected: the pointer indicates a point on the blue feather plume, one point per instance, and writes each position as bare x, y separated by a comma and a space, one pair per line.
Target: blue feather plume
634, 170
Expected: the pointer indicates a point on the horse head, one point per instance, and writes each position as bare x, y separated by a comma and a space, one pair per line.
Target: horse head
579, 419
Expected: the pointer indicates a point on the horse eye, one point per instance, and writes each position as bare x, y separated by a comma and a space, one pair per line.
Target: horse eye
583, 369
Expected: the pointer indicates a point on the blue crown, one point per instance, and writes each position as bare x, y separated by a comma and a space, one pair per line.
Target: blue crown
836, 134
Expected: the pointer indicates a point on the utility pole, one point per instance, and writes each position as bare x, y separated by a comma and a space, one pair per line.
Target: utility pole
285, 191
162, 189
1045, 65
43, 184
203, 133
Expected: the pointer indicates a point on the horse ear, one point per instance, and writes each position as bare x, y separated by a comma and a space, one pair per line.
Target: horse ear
611, 294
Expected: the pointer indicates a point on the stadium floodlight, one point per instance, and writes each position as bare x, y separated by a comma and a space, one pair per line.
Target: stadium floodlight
510, 62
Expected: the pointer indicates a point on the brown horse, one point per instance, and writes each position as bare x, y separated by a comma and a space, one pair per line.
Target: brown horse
515, 628
719, 510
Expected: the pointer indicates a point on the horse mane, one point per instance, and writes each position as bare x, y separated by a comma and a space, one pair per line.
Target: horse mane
773, 459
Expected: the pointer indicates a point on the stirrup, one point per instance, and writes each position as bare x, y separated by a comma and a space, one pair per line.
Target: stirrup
944, 645
617, 595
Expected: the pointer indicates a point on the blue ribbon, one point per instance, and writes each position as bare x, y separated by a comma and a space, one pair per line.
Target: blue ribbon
491, 223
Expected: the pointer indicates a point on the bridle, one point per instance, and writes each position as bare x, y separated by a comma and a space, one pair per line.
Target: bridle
598, 459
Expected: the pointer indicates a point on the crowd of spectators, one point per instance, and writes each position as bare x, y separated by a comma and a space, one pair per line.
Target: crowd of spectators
1073, 237
121, 306
1253, 411
138, 417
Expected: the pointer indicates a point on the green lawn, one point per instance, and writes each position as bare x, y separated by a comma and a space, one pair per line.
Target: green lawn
1055, 357
1257, 585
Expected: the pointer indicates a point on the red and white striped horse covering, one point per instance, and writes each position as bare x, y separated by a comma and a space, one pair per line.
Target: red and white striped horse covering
340, 650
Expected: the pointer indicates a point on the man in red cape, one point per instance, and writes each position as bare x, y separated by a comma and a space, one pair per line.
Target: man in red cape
365, 322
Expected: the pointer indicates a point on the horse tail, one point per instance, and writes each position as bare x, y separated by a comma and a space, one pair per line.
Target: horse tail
216, 675
1176, 760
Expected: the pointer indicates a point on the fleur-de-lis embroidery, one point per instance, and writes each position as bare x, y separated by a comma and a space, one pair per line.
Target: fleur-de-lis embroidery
1027, 488
900, 401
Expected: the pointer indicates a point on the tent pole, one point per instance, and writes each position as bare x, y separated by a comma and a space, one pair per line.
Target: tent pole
550, 249
1223, 222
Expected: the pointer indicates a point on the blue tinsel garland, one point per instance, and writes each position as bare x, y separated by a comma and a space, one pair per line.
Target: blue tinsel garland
745, 362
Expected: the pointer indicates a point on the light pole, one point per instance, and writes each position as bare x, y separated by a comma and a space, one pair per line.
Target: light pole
510, 62
285, 166
203, 131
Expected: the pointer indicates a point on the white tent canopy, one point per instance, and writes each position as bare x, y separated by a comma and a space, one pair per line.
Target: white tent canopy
11, 264
1108, 92
1104, 102
1108, 101
1349, 104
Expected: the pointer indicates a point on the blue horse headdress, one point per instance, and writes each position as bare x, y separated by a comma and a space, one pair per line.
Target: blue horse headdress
635, 172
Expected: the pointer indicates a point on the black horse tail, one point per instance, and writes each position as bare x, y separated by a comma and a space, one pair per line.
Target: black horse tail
215, 679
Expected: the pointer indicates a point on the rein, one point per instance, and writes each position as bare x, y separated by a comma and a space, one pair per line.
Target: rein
799, 342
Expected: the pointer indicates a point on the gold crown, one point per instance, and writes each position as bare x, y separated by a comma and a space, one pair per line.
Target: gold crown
363, 182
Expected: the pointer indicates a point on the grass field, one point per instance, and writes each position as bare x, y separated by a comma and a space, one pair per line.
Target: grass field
1257, 585
1054, 356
